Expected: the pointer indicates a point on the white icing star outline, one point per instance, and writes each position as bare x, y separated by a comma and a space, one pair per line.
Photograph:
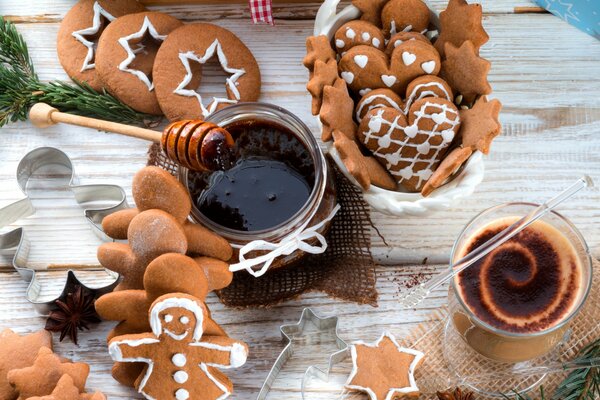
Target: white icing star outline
231, 81
393, 391
124, 42
99, 12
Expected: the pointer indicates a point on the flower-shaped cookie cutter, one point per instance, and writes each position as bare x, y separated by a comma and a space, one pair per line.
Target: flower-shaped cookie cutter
17, 239
288, 332
461, 185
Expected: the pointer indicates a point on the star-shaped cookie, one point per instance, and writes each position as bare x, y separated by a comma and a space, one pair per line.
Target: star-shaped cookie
325, 74
465, 71
371, 10
317, 48
460, 22
352, 158
450, 164
480, 124
66, 390
383, 369
18, 351
337, 111
43, 376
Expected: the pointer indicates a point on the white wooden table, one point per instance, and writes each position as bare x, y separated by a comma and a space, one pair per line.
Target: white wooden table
546, 73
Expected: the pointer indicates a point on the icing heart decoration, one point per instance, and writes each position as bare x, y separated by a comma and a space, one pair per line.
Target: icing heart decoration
411, 146
371, 68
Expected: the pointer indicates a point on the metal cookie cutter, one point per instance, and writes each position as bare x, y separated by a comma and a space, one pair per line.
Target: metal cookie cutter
288, 332
17, 239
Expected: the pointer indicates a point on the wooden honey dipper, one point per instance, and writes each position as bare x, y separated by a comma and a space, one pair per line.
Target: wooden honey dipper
195, 144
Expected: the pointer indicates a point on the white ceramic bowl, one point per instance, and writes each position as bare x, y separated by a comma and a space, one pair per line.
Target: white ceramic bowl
391, 202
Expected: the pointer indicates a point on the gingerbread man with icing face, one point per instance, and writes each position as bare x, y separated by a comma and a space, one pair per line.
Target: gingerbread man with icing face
181, 363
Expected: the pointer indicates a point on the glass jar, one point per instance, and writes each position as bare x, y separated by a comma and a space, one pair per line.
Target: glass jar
504, 345
321, 201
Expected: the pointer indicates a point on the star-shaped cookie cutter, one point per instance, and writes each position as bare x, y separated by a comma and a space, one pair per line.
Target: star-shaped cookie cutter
17, 240
288, 332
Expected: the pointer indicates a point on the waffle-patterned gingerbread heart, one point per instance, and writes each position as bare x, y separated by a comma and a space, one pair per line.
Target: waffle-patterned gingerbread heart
411, 147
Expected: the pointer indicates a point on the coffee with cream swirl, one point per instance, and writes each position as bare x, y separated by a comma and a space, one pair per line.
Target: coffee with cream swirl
528, 284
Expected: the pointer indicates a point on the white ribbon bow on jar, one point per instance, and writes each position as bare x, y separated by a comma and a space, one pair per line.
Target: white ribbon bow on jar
297, 240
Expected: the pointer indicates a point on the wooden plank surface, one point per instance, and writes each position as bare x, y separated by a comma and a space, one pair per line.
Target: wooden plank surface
546, 73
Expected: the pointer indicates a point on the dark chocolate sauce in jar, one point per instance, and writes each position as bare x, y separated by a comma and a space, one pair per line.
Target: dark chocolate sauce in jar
270, 181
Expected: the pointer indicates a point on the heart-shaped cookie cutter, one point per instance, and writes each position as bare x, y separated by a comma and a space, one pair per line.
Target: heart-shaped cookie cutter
17, 239
288, 332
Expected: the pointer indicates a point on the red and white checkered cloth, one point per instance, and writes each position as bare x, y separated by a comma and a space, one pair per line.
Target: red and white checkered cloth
261, 11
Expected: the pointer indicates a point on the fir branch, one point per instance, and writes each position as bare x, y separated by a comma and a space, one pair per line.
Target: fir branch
20, 88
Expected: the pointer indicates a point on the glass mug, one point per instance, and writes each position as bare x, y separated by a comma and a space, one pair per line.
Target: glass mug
504, 344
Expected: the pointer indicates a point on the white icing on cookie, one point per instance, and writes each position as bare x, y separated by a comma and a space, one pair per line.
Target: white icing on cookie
388, 80
411, 97
365, 36
339, 43
361, 60
182, 394
376, 42
364, 91
147, 27
350, 34
179, 360
168, 318
348, 77
184, 320
99, 12
180, 377
408, 58
428, 66
231, 81
368, 102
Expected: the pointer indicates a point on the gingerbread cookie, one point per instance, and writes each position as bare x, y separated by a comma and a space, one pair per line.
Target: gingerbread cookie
336, 111
465, 71
79, 32
197, 44
449, 165
125, 57
356, 33
411, 148
317, 48
378, 175
66, 390
404, 16
461, 22
480, 124
378, 98
352, 158
427, 86
383, 369
364, 67
324, 74
17, 352
41, 378
401, 37
371, 10
182, 361
168, 273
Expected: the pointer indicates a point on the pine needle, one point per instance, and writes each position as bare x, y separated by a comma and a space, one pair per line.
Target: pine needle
20, 88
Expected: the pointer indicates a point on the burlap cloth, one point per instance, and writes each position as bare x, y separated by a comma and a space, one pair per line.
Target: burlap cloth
346, 270
434, 371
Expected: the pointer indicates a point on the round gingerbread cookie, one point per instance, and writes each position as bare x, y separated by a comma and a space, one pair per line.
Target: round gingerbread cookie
405, 16
401, 37
356, 33
79, 32
378, 98
195, 44
125, 56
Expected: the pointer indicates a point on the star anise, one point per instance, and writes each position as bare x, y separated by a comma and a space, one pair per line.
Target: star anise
74, 313
455, 394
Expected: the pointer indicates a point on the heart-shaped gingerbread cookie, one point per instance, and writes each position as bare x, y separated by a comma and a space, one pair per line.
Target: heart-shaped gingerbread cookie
412, 148
365, 67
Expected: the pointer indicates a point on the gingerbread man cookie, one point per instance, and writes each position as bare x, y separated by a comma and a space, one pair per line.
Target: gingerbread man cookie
79, 32
182, 361
365, 68
356, 33
125, 57
17, 352
411, 148
196, 44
